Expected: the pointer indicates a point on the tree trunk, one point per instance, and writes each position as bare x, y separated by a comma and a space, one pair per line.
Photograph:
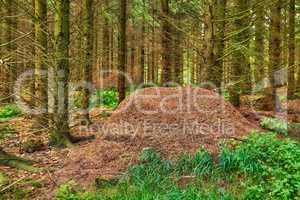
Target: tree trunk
298, 65
166, 75
88, 55
142, 70
41, 72
2, 54
241, 79
292, 40
207, 69
132, 66
112, 38
219, 18
61, 133
122, 49
259, 41
275, 54
178, 55
105, 42
9, 26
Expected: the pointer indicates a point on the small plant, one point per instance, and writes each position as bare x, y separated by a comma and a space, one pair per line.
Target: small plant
227, 159
202, 163
9, 111
184, 165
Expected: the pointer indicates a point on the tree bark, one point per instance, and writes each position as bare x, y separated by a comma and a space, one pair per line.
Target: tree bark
219, 23
178, 55
10, 26
241, 79
142, 70
208, 71
88, 56
122, 49
166, 75
275, 54
105, 41
61, 133
41, 72
259, 41
292, 40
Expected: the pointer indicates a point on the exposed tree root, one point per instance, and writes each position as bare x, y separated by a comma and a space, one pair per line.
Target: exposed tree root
16, 162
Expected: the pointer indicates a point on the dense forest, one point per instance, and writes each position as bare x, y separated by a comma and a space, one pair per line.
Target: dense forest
149, 99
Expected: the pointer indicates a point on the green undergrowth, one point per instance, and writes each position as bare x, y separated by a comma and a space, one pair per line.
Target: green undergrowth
9, 111
261, 167
19, 190
279, 126
107, 98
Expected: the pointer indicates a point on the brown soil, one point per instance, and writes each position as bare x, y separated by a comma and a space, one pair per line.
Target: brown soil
171, 120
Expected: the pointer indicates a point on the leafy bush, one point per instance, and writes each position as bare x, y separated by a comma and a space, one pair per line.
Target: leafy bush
9, 111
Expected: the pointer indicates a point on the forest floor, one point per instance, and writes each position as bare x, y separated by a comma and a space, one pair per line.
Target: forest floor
109, 155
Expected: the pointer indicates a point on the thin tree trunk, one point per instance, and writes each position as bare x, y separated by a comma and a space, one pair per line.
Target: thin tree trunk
122, 49
166, 75
240, 62
275, 54
131, 67
178, 55
142, 70
220, 15
9, 50
41, 72
292, 40
112, 38
260, 41
88, 55
105, 41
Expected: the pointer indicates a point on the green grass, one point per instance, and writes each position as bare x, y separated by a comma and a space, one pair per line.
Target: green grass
262, 167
